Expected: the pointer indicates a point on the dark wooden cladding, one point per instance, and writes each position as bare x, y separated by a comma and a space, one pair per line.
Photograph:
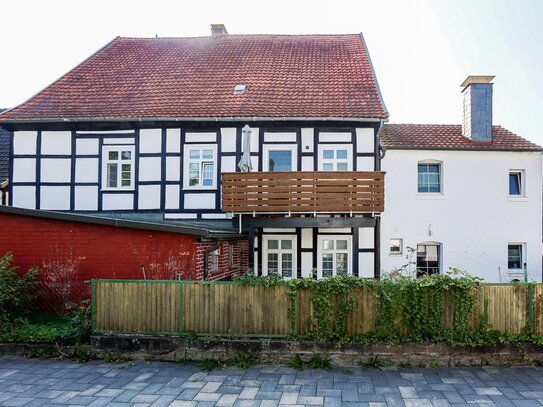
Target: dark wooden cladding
303, 192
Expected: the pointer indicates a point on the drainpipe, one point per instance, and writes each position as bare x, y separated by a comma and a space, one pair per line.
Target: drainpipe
377, 228
206, 257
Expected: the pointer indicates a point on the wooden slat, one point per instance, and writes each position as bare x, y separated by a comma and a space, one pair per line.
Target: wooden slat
303, 191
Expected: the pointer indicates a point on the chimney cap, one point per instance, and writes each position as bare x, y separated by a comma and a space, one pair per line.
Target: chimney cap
476, 79
218, 29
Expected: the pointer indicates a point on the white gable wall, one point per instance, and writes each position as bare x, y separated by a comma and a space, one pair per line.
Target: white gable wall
473, 219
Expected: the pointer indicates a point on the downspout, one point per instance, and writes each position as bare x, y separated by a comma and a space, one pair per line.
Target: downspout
377, 228
206, 257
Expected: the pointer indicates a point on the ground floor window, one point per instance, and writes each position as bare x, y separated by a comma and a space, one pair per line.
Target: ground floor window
428, 259
279, 256
514, 256
334, 256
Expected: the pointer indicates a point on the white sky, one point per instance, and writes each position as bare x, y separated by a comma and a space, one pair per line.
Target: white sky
421, 50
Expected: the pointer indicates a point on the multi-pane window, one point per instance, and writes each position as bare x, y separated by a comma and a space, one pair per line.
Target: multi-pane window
334, 256
279, 157
118, 167
515, 183
428, 259
200, 166
514, 256
396, 246
215, 254
429, 178
334, 158
280, 256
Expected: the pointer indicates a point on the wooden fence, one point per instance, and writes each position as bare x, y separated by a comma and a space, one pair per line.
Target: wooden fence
232, 309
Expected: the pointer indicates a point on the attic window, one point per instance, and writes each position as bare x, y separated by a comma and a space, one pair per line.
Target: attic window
239, 89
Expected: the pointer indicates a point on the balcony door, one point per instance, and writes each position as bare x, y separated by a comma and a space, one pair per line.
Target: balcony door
279, 157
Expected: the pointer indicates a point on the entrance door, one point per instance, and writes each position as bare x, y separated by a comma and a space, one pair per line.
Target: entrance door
428, 259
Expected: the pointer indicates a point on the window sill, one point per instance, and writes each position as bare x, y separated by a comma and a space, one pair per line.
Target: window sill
396, 254
429, 196
517, 198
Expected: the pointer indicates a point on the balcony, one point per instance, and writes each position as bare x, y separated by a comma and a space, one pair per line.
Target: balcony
320, 192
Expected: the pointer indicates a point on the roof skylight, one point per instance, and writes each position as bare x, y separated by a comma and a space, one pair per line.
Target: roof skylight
238, 89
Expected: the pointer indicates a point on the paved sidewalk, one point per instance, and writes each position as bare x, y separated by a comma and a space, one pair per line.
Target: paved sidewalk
33, 382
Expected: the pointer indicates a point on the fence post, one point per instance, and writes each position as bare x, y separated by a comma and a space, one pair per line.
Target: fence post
181, 321
93, 305
531, 306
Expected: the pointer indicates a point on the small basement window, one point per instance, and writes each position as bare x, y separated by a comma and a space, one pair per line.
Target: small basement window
396, 246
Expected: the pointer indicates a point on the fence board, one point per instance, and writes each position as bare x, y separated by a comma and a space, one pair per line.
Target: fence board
223, 309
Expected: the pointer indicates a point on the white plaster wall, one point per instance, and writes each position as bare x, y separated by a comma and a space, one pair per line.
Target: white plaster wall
307, 164
328, 137
24, 142
307, 238
173, 168
228, 139
365, 164
86, 170
366, 238
287, 137
56, 142
24, 170
173, 140
255, 135
199, 201
365, 140
55, 198
228, 164
150, 168
473, 219
55, 170
198, 137
149, 197
86, 146
308, 139
307, 264
365, 265
111, 202
86, 198
119, 140
24, 197
172, 196
150, 140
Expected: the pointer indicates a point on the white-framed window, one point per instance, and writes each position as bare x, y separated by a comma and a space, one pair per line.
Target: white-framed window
200, 169
515, 256
516, 183
428, 259
335, 157
429, 177
215, 255
396, 246
279, 157
334, 255
279, 255
118, 167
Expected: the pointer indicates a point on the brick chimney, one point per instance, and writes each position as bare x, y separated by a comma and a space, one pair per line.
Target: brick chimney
218, 29
477, 122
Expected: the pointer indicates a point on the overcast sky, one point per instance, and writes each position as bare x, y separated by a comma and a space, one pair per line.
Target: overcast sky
422, 50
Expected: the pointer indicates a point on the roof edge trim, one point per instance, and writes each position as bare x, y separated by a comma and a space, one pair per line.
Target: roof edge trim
374, 75
119, 223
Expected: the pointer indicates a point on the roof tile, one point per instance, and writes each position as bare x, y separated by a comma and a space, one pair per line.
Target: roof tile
287, 76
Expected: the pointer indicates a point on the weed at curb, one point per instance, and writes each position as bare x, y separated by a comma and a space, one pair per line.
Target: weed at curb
375, 362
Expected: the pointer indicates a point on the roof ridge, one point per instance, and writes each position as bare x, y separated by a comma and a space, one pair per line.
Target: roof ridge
354, 35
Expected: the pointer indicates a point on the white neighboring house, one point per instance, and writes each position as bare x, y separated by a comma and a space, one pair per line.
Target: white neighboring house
465, 196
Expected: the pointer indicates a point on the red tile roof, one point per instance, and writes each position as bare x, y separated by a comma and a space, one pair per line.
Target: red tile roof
287, 76
449, 137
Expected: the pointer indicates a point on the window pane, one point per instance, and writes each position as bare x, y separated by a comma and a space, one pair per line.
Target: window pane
342, 167
194, 174
113, 155
429, 178
514, 256
341, 263
395, 246
194, 154
328, 154
427, 259
207, 154
341, 245
328, 167
327, 264
286, 264
273, 263
126, 167
207, 174
273, 244
112, 175
514, 183
286, 244
126, 155
341, 154
328, 244
280, 160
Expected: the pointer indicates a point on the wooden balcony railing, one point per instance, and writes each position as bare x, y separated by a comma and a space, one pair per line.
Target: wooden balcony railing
303, 192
